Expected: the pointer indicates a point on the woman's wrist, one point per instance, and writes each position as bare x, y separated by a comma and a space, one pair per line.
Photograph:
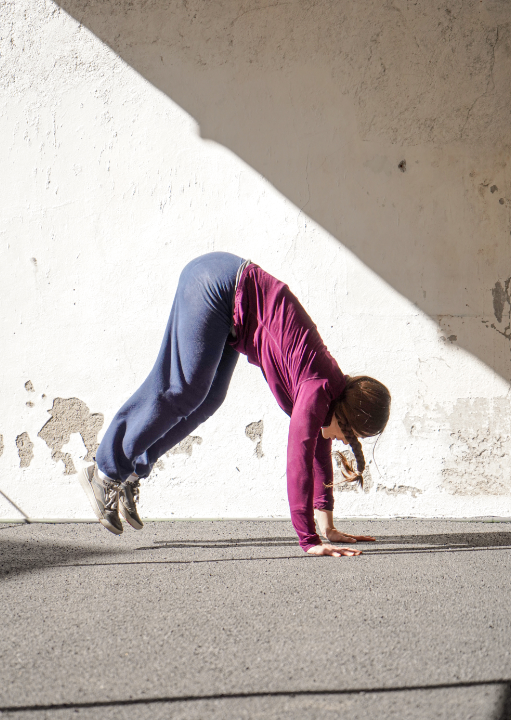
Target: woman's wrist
325, 521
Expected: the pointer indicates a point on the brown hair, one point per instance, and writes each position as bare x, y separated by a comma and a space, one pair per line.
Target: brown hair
363, 409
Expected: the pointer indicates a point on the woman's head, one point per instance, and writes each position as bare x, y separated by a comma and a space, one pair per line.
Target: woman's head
361, 411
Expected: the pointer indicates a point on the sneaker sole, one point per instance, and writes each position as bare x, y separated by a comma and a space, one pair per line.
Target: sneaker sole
85, 482
109, 526
134, 524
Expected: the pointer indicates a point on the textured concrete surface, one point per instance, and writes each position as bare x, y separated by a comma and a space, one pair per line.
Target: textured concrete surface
229, 619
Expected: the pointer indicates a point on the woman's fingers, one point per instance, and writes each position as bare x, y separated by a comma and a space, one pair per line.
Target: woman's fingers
336, 536
339, 552
333, 551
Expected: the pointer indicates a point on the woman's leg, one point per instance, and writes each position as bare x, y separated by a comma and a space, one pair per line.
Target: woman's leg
216, 396
182, 377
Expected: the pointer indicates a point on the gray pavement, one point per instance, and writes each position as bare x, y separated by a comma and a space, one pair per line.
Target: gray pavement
230, 619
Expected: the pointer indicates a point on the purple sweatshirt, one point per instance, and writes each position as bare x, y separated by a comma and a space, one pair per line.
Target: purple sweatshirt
276, 334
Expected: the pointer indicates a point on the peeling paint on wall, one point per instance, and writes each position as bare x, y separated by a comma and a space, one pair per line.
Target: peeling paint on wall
254, 431
25, 449
478, 461
341, 485
71, 415
399, 490
185, 447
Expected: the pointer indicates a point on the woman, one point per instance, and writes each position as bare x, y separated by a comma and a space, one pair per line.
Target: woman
225, 306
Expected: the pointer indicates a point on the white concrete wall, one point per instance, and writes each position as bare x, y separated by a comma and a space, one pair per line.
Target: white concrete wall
137, 135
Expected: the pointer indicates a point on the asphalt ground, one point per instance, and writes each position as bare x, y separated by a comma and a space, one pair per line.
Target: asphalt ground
230, 619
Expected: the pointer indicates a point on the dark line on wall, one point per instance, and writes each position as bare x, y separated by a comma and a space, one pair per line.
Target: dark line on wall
247, 696
26, 519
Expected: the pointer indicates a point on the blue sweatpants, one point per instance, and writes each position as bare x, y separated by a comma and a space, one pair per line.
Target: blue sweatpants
189, 380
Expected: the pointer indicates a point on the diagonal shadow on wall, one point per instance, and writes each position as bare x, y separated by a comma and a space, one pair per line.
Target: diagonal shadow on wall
326, 99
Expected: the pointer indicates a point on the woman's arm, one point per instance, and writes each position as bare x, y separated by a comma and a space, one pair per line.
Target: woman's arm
324, 496
309, 411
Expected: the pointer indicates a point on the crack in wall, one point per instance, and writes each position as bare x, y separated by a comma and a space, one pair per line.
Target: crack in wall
491, 80
25, 449
1, 445
254, 431
68, 416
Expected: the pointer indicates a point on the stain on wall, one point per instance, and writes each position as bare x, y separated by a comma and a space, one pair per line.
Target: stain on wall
185, 447
25, 449
71, 415
502, 307
339, 482
254, 431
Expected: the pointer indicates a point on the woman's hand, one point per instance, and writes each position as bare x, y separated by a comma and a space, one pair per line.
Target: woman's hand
336, 536
327, 529
333, 551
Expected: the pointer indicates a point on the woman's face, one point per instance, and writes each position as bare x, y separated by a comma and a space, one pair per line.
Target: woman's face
333, 431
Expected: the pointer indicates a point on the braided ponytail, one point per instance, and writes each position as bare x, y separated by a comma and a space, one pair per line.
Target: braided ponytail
362, 410
347, 469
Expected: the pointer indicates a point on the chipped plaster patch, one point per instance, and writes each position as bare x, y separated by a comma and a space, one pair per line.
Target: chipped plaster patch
71, 415
25, 449
29, 387
254, 431
185, 447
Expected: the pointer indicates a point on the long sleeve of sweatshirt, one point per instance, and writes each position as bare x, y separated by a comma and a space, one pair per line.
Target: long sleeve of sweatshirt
310, 409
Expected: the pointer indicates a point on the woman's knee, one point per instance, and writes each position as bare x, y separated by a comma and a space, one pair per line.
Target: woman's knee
212, 403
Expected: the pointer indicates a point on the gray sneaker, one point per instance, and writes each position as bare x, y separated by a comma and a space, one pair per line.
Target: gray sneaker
129, 495
104, 497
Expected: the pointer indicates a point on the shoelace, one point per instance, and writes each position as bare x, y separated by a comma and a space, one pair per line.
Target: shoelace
135, 490
112, 495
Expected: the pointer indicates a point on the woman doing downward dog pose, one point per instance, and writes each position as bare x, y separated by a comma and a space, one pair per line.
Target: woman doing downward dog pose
225, 306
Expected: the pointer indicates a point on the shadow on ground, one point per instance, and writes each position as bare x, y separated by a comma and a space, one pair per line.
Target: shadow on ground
17, 557
26, 556
441, 541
